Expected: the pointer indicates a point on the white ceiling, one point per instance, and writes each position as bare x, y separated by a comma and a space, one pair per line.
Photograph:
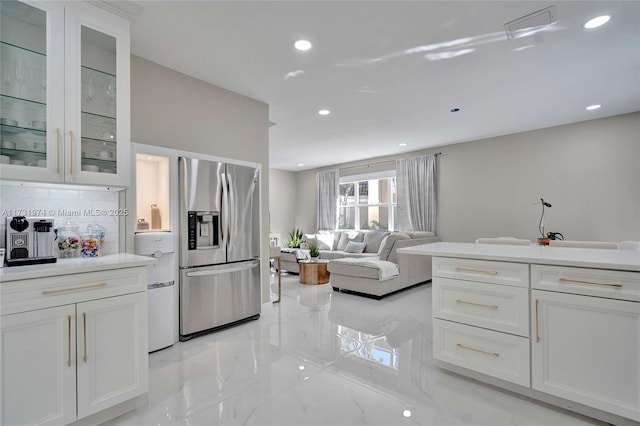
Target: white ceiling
391, 71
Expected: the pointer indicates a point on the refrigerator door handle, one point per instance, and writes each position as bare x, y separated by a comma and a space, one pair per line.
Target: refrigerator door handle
224, 213
221, 271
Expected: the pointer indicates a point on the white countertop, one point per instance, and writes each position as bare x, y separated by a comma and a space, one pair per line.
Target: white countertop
625, 260
74, 266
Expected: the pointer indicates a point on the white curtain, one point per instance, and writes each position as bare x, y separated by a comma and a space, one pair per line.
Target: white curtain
416, 192
328, 183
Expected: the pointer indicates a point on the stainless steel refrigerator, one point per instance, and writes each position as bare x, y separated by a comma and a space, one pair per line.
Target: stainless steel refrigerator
219, 245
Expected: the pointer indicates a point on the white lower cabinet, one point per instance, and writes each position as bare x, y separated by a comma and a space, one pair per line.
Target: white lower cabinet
39, 367
64, 363
481, 317
488, 352
111, 351
587, 349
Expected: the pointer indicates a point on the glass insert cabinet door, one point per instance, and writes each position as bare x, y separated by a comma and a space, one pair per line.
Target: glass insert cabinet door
97, 96
31, 56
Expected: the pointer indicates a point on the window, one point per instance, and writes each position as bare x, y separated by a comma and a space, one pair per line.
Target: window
367, 204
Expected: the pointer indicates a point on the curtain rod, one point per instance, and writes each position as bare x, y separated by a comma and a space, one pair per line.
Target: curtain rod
376, 163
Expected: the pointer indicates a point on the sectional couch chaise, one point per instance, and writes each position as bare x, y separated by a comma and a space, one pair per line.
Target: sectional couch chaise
367, 261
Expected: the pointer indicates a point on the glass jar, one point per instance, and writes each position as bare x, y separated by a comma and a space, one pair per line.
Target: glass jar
98, 231
90, 245
68, 240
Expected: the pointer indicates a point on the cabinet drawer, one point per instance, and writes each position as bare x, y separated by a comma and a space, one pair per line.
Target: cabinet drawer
515, 274
495, 354
590, 282
497, 307
26, 295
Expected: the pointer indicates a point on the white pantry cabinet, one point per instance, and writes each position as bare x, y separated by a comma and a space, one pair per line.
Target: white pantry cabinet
64, 94
75, 344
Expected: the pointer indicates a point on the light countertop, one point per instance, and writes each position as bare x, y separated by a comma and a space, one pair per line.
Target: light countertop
74, 266
625, 260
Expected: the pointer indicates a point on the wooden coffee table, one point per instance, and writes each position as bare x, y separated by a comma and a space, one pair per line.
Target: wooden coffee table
314, 271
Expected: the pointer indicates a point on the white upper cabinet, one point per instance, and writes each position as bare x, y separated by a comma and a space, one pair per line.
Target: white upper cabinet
64, 112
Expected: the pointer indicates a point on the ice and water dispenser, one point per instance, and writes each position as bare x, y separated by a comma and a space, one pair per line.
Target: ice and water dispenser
161, 286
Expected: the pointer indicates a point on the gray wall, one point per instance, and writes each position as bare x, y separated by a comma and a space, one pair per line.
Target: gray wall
588, 171
173, 110
282, 202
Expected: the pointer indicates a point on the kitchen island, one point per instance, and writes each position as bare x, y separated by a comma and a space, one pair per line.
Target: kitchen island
74, 339
561, 325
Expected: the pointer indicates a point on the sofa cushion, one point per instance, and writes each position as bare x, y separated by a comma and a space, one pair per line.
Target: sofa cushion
388, 242
355, 247
373, 240
325, 241
364, 268
346, 236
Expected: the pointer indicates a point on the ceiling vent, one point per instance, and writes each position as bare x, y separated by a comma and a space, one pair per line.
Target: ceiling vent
531, 23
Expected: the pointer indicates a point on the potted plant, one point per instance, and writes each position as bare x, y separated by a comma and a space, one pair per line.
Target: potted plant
314, 252
295, 238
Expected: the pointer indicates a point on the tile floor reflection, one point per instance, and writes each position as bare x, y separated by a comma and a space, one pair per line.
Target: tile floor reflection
325, 358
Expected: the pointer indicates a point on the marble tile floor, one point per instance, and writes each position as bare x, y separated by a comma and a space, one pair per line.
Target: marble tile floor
326, 358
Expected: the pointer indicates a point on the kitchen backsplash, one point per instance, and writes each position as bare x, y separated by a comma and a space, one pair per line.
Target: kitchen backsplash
81, 206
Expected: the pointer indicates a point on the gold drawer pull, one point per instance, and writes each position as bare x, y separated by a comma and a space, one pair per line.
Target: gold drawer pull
493, 354
62, 290
481, 271
482, 305
567, 280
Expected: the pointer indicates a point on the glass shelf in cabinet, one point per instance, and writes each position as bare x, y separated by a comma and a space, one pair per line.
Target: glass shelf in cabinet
93, 114
16, 129
102, 73
110, 141
8, 98
23, 49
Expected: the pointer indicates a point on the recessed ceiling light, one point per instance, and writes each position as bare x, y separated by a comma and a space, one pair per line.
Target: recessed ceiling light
403, 144
324, 112
302, 45
300, 164
406, 413
592, 107
597, 21
455, 109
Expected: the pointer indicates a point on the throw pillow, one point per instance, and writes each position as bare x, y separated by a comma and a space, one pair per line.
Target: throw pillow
346, 236
354, 247
344, 240
373, 240
325, 241
387, 244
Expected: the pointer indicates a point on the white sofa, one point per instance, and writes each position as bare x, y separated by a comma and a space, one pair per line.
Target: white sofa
387, 272
332, 245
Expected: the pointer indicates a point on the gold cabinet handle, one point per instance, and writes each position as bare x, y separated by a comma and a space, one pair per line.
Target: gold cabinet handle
68, 340
84, 287
480, 271
84, 327
58, 150
568, 280
71, 153
482, 305
493, 354
537, 329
